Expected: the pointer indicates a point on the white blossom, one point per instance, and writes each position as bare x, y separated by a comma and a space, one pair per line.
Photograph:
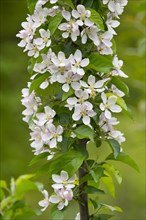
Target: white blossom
45, 35
45, 202
111, 24
107, 123
105, 43
70, 28
116, 91
53, 1
109, 105
78, 63
91, 33
117, 135
93, 87
77, 216
82, 15
46, 117
117, 71
63, 181
39, 16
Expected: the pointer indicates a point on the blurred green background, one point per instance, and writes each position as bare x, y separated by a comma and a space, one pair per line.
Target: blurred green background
15, 150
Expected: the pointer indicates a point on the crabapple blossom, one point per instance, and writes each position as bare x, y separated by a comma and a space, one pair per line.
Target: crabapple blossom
45, 202
107, 123
69, 79
46, 117
35, 47
117, 71
63, 181
93, 87
111, 24
109, 103
53, 1
78, 63
82, 15
91, 33
70, 28
116, 91
53, 11
45, 35
84, 111
77, 216
40, 15
117, 135
36, 137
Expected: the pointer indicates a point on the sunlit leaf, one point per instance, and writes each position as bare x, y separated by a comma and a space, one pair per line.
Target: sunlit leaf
97, 173
93, 190
110, 168
54, 22
108, 182
96, 18
122, 157
84, 131
112, 208
102, 217
31, 5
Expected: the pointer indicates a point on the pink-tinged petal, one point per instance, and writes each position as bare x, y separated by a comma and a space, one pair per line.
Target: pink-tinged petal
78, 55
54, 199
53, 143
57, 186
112, 100
86, 120
64, 175
108, 114
66, 15
115, 108
59, 129
91, 80
65, 87
56, 178
44, 85
84, 62
72, 101
60, 205
81, 9
104, 98
75, 14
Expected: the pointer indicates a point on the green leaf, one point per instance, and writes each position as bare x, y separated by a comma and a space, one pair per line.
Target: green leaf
110, 168
115, 147
67, 94
112, 208
88, 3
100, 63
66, 143
3, 184
31, 5
70, 162
102, 217
97, 173
57, 215
93, 190
108, 181
37, 158
96, 18
120, 85
122, 157
37, 81
120, 101
69, 3
84, 131
54, 23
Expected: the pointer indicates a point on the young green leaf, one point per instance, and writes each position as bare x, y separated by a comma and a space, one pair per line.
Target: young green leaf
69, 3
37, 81
115, 147
31, 5
38, 158
108, 181
110, 168
112, 208
93, 190
84, 131
88, 3
67, 94
97, 173
54, 23
122, 157
102, 217
96, 18
100, 63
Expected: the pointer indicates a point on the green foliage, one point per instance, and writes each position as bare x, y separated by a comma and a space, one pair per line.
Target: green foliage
96, 18
84, 131
54, 23
13, 205
115, 147
100, 63
31, 5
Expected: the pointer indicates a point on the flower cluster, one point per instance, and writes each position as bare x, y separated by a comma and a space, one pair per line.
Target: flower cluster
63, 193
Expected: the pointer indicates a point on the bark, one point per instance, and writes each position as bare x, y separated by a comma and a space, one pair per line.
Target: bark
83, 197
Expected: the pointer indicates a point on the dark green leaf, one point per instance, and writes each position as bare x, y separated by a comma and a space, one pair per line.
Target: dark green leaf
54, 22
66, 143
84, 131
88, 3
120, 85
125, 159
70, 162
115, 147
31, 5
37, 158
97, 173
102, 217
37, 81
67, 94
93, 190
96, 18
57, 215
69, 3
100, 63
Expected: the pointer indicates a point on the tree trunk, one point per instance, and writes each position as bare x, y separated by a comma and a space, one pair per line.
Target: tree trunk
83, 197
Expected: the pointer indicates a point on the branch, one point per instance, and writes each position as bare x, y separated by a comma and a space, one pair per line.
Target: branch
83, 198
